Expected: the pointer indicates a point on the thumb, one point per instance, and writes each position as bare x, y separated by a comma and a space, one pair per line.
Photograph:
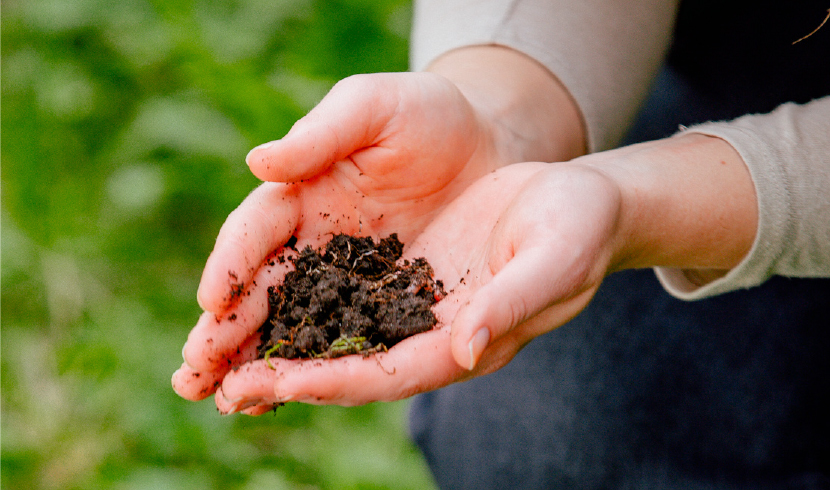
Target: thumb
348, 119
526, 285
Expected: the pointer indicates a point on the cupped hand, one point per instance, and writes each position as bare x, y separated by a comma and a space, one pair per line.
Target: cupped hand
381, 153
521, 251
388, 149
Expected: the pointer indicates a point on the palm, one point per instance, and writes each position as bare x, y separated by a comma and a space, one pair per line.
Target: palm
381, 154
492, 245
407, 141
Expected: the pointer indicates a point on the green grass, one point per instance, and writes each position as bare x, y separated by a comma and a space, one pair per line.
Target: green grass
124, 129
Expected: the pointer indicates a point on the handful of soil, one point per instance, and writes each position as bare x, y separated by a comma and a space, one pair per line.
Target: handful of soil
352, 297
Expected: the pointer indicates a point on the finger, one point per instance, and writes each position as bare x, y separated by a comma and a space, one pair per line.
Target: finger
213, 342
257, 410
417, 364
420, 363
195, 385
252, 385
526, 285
351, 117
260, 225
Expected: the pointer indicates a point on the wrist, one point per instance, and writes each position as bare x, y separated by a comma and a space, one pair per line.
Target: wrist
528, 112
688, 202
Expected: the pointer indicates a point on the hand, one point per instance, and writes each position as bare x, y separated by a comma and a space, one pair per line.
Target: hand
381, 153
521, 251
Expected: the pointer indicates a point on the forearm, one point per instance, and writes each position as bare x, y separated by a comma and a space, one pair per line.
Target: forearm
687, 202
787, 153
604, 52
529, 112
725, 206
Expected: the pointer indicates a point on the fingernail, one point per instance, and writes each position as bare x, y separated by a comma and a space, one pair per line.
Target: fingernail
238, 403
477, 345
248, 404
232, 401
263, 146
244, 404
286, 398
173, 381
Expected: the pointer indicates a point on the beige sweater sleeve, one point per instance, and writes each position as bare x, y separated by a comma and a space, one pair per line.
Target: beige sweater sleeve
605, 52
788, 155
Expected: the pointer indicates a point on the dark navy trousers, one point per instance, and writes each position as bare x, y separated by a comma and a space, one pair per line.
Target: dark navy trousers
642, 390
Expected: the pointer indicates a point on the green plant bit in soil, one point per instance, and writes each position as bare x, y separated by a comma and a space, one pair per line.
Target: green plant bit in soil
352, 297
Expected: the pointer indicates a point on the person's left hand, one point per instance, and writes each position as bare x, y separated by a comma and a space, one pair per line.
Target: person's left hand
381, 153
521, 251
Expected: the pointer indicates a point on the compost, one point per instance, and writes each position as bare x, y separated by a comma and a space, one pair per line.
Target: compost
353, 296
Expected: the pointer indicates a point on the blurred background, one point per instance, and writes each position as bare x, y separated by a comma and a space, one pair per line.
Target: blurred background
124, 131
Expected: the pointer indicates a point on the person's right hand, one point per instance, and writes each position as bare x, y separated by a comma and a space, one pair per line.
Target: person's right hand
522, 251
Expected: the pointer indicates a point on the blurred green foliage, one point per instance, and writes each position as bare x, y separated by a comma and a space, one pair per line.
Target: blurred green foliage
124, 129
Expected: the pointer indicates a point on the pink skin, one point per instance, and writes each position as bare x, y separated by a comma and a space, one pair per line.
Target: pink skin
377, 180
505, 246
381, 153
522, 249
366, 154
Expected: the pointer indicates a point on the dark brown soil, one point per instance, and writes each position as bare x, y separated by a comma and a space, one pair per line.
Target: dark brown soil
352, 297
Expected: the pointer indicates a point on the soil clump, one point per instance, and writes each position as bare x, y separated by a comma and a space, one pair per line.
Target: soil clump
351, 297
